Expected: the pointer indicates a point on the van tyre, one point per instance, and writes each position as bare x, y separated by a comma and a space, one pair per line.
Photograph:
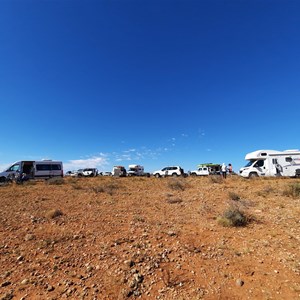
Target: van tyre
174, 174
253, 175
157, 175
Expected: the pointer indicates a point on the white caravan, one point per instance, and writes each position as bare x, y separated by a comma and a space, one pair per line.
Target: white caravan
272, 163
34, 169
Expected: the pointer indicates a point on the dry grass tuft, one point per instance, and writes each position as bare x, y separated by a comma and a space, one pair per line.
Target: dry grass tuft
293, 190
55, 181
176, 185
216, 178
233, 217
54, 213
234, 196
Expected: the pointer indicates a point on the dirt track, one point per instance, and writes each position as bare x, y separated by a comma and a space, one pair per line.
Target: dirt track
148, 238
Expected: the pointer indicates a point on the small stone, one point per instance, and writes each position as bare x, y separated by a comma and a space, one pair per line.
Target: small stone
25, 281
29, 237
50, 288
20, 258
239, 282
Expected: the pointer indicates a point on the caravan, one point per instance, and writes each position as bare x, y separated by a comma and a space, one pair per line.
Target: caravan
34, 169
272, 163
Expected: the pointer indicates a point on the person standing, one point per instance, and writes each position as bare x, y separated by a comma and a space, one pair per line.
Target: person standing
224, 170
230, 169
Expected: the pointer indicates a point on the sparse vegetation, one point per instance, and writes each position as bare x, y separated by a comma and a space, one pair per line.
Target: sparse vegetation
216, 179
174, 200
55, 181
293, 190
234, 196
176, 185
53, 213
233, 217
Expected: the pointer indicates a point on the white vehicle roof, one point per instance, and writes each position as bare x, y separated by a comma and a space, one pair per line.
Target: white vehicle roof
262, 154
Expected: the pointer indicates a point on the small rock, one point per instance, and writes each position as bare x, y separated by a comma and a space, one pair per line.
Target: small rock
29, 237
25, 281
50, 288
239, 282
20, 258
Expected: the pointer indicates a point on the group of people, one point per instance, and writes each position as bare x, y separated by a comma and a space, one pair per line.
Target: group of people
225, 169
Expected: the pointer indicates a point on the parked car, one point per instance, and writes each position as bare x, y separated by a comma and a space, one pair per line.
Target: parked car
105, 174
169, 171
71, 173
202, 171
87, 172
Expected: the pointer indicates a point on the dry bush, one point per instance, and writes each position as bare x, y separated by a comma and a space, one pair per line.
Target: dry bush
176, 185
293, 190
265, 191
55, 181
108, 188
54, 213
216, 178
233, 217
234, 196
174, 200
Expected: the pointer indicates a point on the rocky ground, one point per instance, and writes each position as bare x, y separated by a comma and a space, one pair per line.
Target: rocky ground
148, 238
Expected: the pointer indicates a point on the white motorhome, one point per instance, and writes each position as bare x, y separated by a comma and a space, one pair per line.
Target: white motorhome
272, 163
34, 169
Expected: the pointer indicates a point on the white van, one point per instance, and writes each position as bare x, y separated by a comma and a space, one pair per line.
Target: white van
34, 169
272, 163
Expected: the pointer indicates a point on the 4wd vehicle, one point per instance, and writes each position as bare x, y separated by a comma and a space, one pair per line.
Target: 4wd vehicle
169, 171
87, 172
202, 171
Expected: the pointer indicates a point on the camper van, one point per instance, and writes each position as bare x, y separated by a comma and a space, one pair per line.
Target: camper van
272, 163
34, 169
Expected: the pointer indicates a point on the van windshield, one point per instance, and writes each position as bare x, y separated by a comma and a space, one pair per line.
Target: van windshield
249, 164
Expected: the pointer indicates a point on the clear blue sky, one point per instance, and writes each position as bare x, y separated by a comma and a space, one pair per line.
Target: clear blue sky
100, 83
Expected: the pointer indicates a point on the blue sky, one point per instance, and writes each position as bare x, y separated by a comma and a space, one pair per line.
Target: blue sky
100, 83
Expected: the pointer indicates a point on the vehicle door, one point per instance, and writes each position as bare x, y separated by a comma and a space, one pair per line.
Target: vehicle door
260, 167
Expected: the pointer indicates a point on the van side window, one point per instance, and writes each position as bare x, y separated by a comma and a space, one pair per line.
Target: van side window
58, 167
43, 167
288, 159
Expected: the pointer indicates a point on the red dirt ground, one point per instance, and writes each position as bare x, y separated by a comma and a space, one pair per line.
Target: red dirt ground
148, 238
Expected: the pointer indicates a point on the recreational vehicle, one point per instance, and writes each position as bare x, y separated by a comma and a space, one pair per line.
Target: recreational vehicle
34, 169
272, 163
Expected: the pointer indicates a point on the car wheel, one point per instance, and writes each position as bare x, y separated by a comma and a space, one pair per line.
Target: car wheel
253, 175
174, 174
157, 175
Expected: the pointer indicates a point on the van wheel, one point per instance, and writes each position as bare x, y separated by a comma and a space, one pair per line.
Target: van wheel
174, 174
193, 174
253, 175
157, 175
